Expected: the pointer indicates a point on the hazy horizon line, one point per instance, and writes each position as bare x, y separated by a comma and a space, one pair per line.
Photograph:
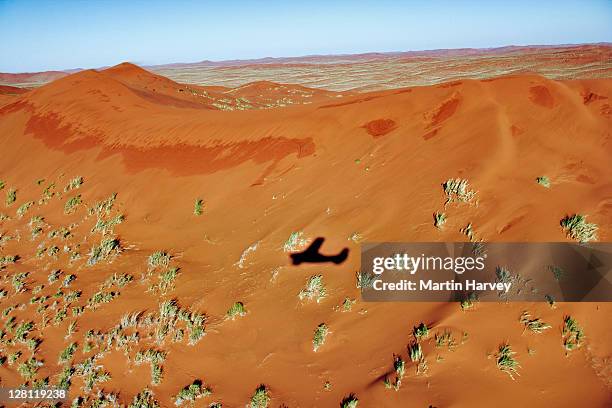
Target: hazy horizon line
220, 61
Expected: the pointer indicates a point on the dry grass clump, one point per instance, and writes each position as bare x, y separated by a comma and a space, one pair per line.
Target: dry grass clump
314, 290
439, 219
506, 362
104, 207
295, 242
236, 310
261, 397
572, 334
576, 228
364, 279
320, 334
23, 208
11, 197
108, 248
72, 203
75, 183
399, 366
457, 190
144, 399
543, 181
350, 402
535, 325
159, 259
155, 358
191, 392
198, 207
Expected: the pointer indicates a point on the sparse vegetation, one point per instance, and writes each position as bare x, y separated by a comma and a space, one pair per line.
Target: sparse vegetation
314, 290
543, 181
261, 398
74, 184
469, 301
457, 190
558, 273
365, 280
295, 242
350, 402
11, 197
439, 219
578, 229
347, 304
24, 208
107, 247
468, 231
420, 332
155, 358
320, 334
198, 207
355, 237
535, 325
236, 310
399, 366
159, 259
506, 362
191, 392
72, 204
144, 399
572, 334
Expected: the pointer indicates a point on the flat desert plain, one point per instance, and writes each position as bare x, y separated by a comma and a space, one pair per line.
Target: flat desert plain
146, 226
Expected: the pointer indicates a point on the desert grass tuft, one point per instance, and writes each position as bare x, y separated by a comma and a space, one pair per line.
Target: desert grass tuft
420, 332
543, 181
365, 280
572, 334
320, 334
399, 366
236, 310
159, 259
11, 197
198, 207
439, 220
506, 362
350, 402
72, 204
314, 290
295, 242
75, 183
191, 392
535, 325
261, 397
457, 190
576, 228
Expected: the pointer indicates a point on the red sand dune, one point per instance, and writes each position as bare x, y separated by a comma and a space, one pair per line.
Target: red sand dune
316, 167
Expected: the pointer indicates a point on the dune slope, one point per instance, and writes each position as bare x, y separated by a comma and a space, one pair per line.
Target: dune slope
348, 167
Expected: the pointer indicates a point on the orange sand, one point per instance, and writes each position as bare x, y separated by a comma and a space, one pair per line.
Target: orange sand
366, 163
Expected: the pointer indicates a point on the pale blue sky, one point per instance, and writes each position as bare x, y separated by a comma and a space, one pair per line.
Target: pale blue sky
64, 34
